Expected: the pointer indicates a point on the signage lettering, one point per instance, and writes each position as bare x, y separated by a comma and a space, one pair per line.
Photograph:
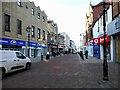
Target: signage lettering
100, 40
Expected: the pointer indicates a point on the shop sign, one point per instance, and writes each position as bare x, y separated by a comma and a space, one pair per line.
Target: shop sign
96, 40
61, 46
86, 44
43, 45
54, 46
90, 43
100, 40
33, 44
6, 41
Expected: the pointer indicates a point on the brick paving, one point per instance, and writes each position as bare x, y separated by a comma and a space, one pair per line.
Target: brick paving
67, 71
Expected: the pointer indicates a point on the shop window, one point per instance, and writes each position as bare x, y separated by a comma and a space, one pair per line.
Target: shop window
32, 52
7, 22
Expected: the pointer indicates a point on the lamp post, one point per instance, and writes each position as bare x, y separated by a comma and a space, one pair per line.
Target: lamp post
28, 32
105, 65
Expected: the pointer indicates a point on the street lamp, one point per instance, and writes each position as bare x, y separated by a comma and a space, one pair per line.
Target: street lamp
105, 65
28, 32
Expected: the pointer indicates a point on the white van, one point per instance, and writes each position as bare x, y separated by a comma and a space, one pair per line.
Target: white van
12, 61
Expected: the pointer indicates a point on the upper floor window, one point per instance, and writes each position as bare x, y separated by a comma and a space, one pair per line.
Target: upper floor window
19, 2
7, 22
33, 31
38, 15
43, 19
19, 26
33, 11
43, 35
38, 33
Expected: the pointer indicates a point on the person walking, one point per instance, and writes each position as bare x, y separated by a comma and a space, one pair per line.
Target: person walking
48, 56
81, 55
86, 54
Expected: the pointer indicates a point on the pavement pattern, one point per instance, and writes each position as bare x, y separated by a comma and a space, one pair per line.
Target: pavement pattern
68, 71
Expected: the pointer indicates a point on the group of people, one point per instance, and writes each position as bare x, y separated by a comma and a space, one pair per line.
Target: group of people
82, 55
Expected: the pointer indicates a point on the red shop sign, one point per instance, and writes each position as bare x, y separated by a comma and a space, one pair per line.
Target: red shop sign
96, 40
100, 40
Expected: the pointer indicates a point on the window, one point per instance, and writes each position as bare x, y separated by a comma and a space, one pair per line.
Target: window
33, 11
43, 19
43, 35
38, 15
20, 55
33, 31
19, 2
7, 23
38, 33
19, 27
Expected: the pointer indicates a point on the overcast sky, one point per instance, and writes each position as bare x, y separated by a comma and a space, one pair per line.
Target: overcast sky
68, 14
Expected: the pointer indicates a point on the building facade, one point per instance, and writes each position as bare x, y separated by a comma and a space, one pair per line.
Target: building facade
15, 17
54, 42
89, 33
66, 42
98, 32
72, 47
113, 31
94, 29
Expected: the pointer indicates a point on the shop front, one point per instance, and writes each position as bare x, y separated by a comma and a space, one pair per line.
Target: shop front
32, 49
61, 48
89, 46
98, 47
36, 49
113, 31
12, 44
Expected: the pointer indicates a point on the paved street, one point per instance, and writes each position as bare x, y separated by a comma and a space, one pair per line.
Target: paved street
67, 71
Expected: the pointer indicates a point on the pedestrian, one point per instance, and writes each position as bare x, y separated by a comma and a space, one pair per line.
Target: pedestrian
41, 56
81, 55
48, 56
86, 54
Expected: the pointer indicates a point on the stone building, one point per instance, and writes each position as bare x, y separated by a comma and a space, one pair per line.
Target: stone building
53, 41
15, 17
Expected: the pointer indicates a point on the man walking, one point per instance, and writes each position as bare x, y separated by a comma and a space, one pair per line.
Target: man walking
86, 54
81, 55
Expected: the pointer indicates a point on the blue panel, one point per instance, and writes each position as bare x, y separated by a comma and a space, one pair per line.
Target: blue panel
6, 41
96, 51
90, 43
33, 44
43, 45
113, 27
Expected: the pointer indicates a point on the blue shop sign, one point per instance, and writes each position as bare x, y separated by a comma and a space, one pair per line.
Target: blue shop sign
90, 43
33, 44
43, 45
6, 41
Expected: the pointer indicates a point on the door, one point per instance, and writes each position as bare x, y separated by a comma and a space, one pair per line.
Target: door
21, 60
